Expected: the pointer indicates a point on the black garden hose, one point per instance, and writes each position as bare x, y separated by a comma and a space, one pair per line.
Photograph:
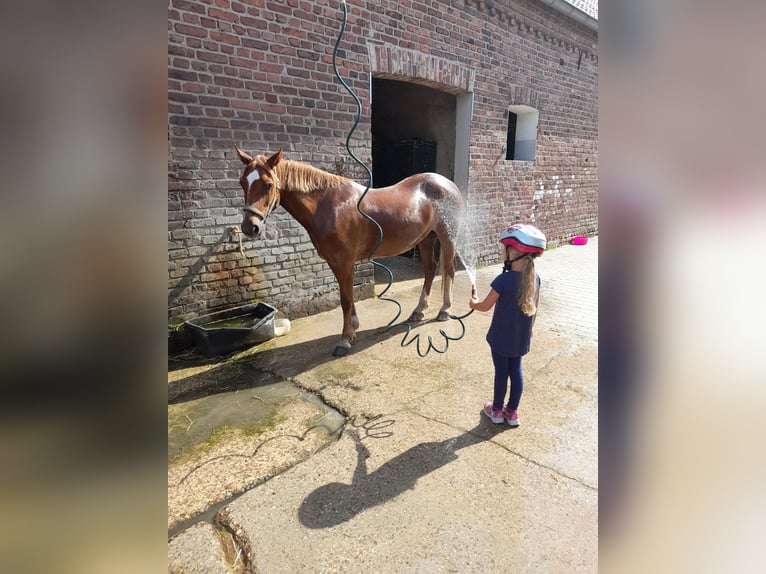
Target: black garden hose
367, 169
392, 323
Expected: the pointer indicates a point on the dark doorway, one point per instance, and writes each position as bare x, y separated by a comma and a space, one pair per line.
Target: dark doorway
394, 160
413, 131
415, 121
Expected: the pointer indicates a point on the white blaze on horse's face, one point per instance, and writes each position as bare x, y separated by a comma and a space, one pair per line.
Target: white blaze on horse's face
257, 200
253, 218
261, 186
251, 177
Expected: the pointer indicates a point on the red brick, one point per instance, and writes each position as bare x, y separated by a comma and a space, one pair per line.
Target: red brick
190, 30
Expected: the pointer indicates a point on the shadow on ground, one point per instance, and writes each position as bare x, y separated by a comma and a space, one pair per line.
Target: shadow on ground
229, 373
337, 502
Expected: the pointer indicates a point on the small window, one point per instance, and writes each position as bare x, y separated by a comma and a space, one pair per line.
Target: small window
522, 133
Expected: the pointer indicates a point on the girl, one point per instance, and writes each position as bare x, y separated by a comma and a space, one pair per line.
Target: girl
516, 291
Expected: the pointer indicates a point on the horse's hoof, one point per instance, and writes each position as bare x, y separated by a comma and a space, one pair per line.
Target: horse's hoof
443, 316
340, 351
416, 317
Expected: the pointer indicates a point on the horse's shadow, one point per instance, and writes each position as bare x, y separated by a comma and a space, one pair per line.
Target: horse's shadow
337, 502
317, 351
228, 372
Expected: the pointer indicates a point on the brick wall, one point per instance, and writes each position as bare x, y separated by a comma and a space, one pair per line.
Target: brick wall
259, 74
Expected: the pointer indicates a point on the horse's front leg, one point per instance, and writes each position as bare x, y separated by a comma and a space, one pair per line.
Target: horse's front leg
345, 277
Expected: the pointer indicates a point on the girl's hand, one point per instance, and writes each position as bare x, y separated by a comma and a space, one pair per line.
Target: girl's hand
487, 304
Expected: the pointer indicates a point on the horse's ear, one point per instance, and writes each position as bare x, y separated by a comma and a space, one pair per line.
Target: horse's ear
274, 160
246, 159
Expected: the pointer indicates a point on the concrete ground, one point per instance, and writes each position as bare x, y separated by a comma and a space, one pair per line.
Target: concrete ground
419, 481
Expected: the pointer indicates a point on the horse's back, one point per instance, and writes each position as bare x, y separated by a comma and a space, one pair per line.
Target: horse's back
434, 185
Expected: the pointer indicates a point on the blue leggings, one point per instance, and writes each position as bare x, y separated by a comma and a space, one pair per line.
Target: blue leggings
506, 367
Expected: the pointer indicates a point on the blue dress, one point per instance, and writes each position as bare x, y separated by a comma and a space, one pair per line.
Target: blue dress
510, 333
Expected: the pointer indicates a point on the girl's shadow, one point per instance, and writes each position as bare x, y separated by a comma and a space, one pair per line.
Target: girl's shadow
337, 502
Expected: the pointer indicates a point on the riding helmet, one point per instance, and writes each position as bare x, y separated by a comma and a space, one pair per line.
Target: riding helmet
524, 237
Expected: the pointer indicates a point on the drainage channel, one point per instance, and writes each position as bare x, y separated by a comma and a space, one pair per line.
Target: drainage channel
221, 445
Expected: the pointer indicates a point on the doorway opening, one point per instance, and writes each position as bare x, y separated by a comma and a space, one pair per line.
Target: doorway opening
413, 131
416, 129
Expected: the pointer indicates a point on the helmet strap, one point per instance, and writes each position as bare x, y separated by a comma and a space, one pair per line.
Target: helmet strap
508, 262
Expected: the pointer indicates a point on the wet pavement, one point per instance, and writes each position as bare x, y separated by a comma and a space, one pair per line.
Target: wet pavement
417, 481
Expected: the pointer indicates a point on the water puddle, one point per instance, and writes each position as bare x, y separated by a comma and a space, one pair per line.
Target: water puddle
239, 322
194, 422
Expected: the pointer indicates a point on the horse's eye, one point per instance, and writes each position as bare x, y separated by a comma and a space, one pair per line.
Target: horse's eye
268, 186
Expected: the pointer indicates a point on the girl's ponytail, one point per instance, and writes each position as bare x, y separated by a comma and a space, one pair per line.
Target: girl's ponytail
528, 288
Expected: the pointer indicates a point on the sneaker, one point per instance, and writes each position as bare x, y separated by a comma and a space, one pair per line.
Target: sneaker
511, 417
495, 415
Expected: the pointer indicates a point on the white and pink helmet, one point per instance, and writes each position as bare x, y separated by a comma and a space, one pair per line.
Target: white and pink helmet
524, 237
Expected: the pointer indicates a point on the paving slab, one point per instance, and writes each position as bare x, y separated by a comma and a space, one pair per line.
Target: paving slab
198, 550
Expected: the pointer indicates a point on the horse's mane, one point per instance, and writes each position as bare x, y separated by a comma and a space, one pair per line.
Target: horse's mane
301, 177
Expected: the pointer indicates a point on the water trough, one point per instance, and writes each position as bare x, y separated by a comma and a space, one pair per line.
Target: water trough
232, 329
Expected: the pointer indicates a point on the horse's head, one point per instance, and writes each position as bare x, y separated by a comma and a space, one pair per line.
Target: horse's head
261, 186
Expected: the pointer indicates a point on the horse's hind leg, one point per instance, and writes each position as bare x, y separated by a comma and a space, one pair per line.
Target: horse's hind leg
448, 277
426, 248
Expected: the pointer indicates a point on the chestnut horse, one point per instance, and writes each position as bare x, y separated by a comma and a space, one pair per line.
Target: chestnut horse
415, 211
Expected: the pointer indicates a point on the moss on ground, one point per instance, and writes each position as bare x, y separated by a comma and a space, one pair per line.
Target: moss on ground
223, 433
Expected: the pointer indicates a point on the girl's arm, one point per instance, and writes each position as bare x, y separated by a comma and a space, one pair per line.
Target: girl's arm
487, 304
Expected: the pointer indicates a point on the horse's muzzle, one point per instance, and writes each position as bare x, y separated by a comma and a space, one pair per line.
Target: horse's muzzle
251, 229
251, 226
